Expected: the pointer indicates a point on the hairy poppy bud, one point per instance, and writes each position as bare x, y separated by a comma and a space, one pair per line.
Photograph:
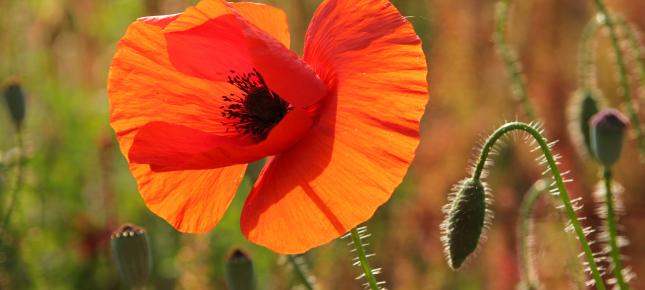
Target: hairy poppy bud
585, 104
239, 271
607, 135
466, 219
131, 252
15, 98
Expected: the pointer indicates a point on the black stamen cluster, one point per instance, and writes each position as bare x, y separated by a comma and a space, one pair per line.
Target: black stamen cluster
257, 109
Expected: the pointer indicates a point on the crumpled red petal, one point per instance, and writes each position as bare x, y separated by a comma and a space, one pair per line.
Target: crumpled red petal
209, 41
357, 153
167, 147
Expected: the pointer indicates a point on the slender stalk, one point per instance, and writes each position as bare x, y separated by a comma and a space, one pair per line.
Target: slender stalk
362, 258
527, 273
559, 182
612, 227
635, 45
297, 268
625, 89
586, 49
18, 186
510, 60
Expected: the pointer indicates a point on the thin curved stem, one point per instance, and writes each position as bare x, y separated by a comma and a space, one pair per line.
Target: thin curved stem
612, 227
625, 90
527, 273
586, 49
18, 186
635, 45
559, 182
511, 63
297, 268
362, 258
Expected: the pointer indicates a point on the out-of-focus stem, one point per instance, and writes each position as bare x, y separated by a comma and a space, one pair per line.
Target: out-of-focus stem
635, 45
19, 182
510, 60
527, 273
612, 229
586, 75
625, 90
300, 272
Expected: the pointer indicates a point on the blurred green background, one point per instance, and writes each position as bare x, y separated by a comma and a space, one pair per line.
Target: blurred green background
78, 189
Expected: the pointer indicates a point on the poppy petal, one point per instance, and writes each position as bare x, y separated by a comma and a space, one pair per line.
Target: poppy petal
268, 18
168, 147
213, 44
160, 20
199, 14
284, 72
144, 87
358, 152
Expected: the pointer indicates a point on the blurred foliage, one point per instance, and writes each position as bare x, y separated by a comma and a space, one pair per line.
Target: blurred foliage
78, 189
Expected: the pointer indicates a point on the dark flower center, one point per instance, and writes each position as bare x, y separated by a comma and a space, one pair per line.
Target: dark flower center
257, 109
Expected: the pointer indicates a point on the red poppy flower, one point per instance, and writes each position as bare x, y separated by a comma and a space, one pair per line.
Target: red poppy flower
197, 95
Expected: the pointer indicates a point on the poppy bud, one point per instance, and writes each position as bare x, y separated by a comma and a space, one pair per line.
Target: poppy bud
239, 271
131, 252
585, 104
15, 98
466, 219
607, 135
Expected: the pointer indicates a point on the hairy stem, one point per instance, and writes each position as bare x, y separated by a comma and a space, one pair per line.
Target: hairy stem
586, 49
302, 275
612, 227
18, 186
635, 45
362, 258
625, 89
527, 273
511, 62
559, 182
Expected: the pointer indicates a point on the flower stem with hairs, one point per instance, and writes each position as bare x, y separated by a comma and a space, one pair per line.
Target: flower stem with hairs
612, 228
558, 180
509, 57
302, 274
625, 89
368, 272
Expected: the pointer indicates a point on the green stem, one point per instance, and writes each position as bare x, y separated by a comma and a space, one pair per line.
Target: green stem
625, 89
297, 268
18, 186
362, 257
559, 181
527, 274
613, 231
586, 75
635, 46
511, 63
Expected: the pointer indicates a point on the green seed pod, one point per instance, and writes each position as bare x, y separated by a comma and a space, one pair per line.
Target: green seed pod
584, 104
15, 99
131, 252
239, 271
467, 217
607, 135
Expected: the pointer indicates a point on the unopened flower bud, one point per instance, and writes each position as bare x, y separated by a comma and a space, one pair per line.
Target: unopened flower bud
15, 99
239, 271
466, 219
584, 105
131, 252
607, 130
